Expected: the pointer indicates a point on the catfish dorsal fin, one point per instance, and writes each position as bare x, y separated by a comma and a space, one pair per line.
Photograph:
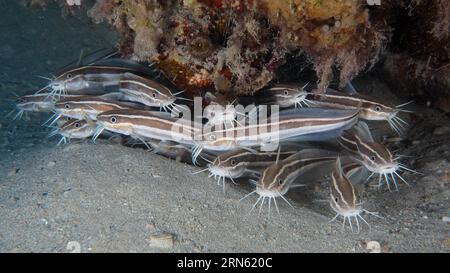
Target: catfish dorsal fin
363, 131
339, 166
250, 150
80, 58
304, 86
278, 155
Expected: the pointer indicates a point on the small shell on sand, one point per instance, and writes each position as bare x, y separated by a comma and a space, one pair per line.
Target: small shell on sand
161, 241
373, 247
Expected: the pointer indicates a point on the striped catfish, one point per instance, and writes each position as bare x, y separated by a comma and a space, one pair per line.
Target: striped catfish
173, 150
93, 77
242, 162
147, 92
143, 124
374, 156
74, 129
344, 197
278, 178
220, 111
88, 106
284, 95
41, 102
296, 124
370, 108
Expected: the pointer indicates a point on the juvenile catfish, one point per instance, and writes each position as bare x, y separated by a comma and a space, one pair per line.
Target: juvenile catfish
93, 78
278, 178
344, 198
284, 95
147, 92
242, 162
143, 125
375, 157
88, 107
306, 124
370, 108
41, 102
74, 129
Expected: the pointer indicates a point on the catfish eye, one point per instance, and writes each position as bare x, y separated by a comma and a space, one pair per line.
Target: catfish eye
77, 124
154, 95
20, 101
286, 92
280, 181
67, 106
69, 76
335, 199
372, 158
377, 108
113, 119
233, 162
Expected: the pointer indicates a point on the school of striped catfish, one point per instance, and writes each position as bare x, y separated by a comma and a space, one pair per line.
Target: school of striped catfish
282, 137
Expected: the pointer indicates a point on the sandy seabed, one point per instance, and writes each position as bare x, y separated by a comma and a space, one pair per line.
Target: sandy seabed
105, 197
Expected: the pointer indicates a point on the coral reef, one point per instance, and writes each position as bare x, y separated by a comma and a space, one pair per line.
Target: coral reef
237, 46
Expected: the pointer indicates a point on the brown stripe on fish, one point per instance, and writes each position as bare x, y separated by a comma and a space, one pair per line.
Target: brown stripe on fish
149, 124
91, 106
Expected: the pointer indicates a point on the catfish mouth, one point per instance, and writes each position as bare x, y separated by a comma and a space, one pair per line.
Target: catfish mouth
167, 102
300, 100
346, 212
216, 170
393, 114
56, 85
350, 212
230, 172
265, 192
383, 169
389, 168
